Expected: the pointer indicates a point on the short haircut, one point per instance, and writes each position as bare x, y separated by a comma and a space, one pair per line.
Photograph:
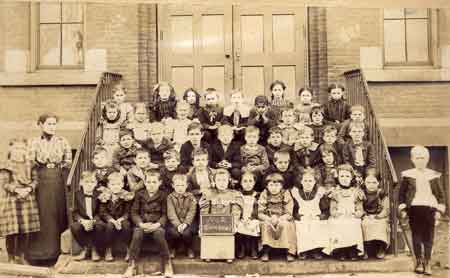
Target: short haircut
141, 150
125, 132
360, 108
335, 86
179, 176
221, 171
193, 126
140, 105
274, 176
152, 173
275, 130
111, 105
356, 125
169, 154
288, 109
420, 150
326, 149
281, 153
251, 129
99, 150
330, 129
224, 127
277, 82
198, 152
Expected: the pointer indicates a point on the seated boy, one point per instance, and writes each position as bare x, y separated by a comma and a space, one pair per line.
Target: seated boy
282, 164
171, 167
225, 153
318, 123
87, 227
195, 141
254, 156
157, 144
357, 115
289, 126
123, 157
263, 118
275, 143
306, 151
115, 204
358, 152
200, 175
329, 139
181, 211
149, 214
136, 174
236, 115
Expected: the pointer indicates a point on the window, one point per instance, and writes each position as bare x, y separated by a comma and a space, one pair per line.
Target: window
407, 36
60, 35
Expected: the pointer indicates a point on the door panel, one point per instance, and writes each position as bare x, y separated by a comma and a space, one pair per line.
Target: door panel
196, 47
269, 45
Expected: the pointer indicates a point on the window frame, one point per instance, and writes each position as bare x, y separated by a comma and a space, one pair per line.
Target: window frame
35, 42
432, 43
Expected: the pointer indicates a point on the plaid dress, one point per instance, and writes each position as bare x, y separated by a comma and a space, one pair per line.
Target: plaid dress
19, 215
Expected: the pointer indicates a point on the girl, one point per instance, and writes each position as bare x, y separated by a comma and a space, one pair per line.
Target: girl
236, 115
421, 197
375, 222
328, 169
220, 199
337, 110
192, 97
140, 125
52, 156
248, 230
177, 128
303, 109
126, 108
346, 210
20, 213
318, 123
312, 232
164, 103
109, 127
278, 102
123, 157
275, 210
289, 127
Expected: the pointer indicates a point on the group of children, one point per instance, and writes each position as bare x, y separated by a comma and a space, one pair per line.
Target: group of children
299, 178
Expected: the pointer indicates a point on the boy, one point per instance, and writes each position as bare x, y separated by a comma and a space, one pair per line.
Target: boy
254, 156
306, 151
210, 116
171, 167
275, 143
178, 127
225, 153
357, 115
330, 140
200, 176
87, 227
149, 214
136, 174
318, 123
123, 157
157, 144
421, 197
236, 115
102, 165
115, 204
195, 141
289, 126
181, 210
358, 152
282, 164
263, 118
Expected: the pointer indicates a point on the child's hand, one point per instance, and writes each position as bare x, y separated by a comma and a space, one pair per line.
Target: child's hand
152, 165
118, 224
87, 225
274, 220
182, 227
225, 164
437, 217
403, 214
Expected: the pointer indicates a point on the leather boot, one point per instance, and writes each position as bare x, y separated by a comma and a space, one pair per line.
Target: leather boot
131, 270
168, 268
95, 256
418, 268
427, 268
108, 255
82, 255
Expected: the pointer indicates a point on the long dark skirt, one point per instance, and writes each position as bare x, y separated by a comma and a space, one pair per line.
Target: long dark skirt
50, 195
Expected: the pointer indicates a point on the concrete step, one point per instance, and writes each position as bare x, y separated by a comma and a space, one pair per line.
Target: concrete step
240, 267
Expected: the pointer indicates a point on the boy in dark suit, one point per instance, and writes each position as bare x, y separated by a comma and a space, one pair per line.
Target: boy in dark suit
87, 228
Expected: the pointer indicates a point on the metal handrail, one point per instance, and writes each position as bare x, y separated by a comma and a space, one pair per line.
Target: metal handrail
358, 94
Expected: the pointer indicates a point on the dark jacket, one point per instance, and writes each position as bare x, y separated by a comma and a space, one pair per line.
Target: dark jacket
115, 210
156, 153
407, 190
263, 123
101, 174
337, 110
79, 209
209, 116
181, 208
148, 208
232, 154
124, 157
186, 153
290, 175
368, 151
307, 157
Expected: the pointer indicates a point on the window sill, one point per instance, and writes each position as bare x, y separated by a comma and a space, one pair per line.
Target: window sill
405, 74
50, 77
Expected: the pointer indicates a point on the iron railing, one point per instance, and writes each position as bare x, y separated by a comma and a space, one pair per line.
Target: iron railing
358, 94
82, 160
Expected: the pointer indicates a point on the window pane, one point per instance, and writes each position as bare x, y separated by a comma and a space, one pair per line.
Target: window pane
72, 12
417, 40
72, 44
416, 13
49, 44
394, 41
49, 12
394, 13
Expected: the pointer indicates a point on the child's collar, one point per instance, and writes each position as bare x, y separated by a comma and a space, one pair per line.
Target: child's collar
415, 173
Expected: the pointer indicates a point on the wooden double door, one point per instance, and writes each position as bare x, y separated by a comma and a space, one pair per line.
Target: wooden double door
229, 47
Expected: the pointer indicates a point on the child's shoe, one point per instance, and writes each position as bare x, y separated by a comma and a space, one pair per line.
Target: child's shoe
318, 255
127, 256
265, 256
108, 255
381, 253
82, 255
168, 268
254, 254
302, 256
95, 256
427, 268
241, 253
290, 258
11, 259
418, 268
173, 253
131, 270
190, 253
365, 256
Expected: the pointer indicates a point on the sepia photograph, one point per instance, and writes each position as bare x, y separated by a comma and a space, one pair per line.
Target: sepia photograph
234, 139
